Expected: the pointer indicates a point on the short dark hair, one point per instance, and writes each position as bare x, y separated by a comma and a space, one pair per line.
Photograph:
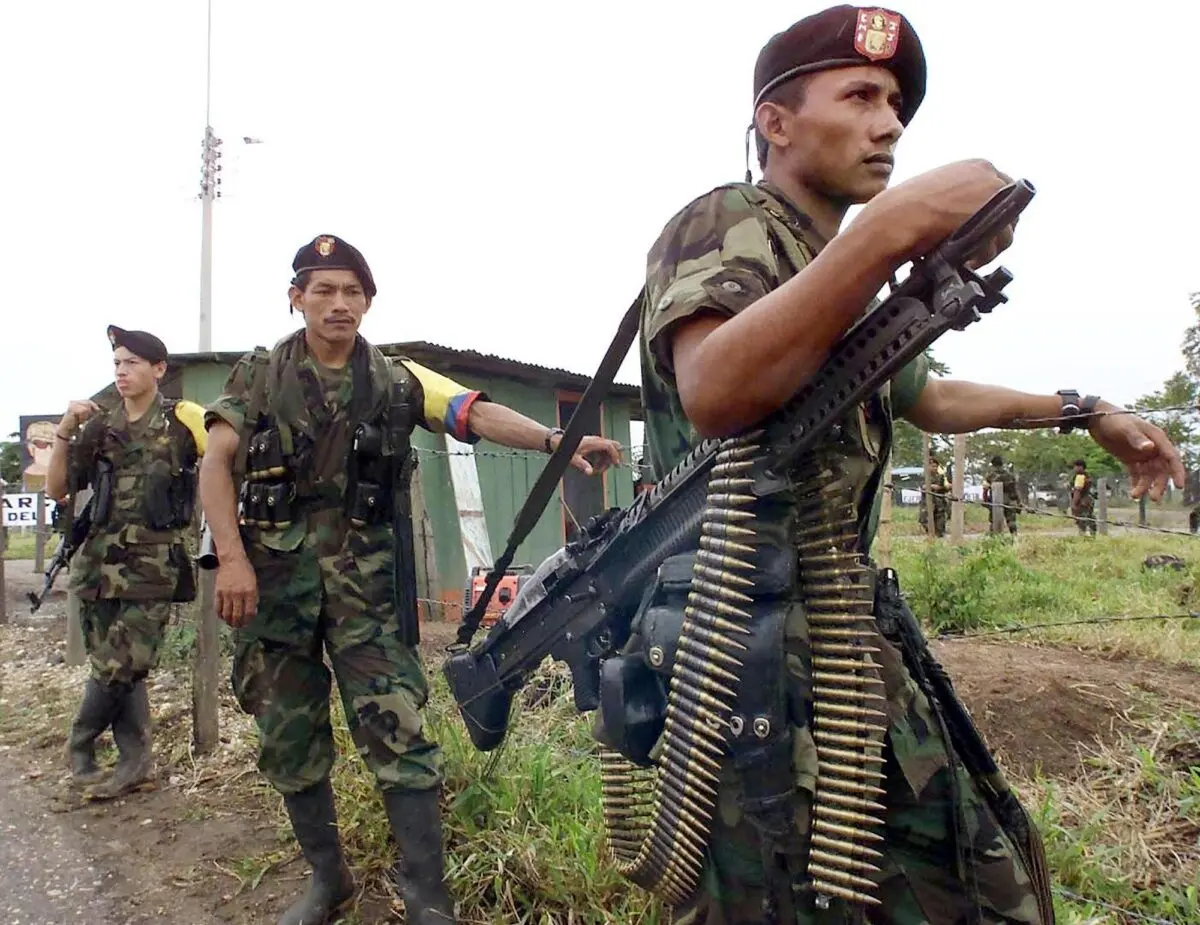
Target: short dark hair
789, 95
1079, 462
302, 279
997, 460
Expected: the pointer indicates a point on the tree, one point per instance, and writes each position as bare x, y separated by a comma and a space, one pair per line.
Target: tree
10, 462
1191, 340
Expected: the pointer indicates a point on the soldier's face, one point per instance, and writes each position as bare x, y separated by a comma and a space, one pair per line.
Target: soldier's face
840, 142
333, 304
134, 376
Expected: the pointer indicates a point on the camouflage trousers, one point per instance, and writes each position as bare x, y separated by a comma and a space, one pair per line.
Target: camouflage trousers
339, 605
122, 637
921, 881
941, 510
1010, 518
1084, 512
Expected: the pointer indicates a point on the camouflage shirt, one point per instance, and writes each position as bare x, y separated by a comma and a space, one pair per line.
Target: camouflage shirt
126, 556
720, 254
998, 475
317, 406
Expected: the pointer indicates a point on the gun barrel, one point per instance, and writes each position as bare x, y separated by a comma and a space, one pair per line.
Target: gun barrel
206, 556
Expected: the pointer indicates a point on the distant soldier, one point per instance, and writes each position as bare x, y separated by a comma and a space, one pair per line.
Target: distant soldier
1000, 475
139, 458
1083, 499
939, 489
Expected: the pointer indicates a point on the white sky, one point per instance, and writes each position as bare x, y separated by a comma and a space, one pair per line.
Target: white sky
504, 168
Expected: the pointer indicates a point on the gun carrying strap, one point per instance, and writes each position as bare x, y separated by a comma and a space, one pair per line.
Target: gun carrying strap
543, 488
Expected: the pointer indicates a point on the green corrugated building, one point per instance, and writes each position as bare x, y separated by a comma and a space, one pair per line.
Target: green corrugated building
505, 477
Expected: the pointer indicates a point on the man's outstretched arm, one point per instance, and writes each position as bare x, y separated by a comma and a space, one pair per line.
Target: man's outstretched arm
948, 406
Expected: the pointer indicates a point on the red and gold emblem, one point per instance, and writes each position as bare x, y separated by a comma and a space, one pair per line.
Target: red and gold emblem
877, 34
324, 246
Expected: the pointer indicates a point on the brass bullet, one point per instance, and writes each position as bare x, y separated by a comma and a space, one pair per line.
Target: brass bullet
832, 889
720, 608
845, 847
726, 484
688, 643
853, 785
847, 725
715, 626
726, 469
687, 657
842, 754
850, 802
722, 577
842, 648
836, 738
833, 859
844, 815
833, 828
727, 514
716, 560
719, 591
839, 876
823, 690
843, 709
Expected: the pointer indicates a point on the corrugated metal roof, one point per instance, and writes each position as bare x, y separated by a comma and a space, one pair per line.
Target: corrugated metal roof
447, 356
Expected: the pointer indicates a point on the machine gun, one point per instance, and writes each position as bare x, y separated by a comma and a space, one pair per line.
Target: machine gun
578, 604
71, 541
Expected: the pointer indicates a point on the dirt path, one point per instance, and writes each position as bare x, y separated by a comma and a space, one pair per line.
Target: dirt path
205, 844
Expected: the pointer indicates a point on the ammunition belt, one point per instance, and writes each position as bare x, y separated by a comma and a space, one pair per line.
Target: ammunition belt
726, 697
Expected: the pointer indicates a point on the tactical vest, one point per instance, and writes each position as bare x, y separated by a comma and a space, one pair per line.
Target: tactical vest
144, 492
299, 457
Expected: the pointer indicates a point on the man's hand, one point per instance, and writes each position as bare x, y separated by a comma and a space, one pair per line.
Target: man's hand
77, 413
919, 214
593, 455
236, 590
1145, 450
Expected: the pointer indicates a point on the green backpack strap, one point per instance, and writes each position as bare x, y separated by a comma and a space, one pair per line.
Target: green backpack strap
259, 360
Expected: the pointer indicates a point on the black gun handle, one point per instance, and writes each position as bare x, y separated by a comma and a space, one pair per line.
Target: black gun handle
1001, 210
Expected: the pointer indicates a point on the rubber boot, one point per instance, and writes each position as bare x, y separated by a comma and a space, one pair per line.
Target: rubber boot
314, 822
416, 822
96, 711
131, 730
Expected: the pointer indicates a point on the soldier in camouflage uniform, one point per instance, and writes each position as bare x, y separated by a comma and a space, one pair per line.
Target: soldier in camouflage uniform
998, 474
140, 460
1083, 499
939, 489
748, 287
321, 566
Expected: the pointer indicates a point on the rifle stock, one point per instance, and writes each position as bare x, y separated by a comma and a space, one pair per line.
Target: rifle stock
578, 605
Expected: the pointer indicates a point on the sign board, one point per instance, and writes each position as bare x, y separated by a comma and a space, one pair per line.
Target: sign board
37, 443
21, 511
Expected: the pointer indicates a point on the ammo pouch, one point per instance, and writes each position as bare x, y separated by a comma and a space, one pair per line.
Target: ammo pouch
185, 585
170, 502
268, 505
634, 686
369, 502
103, 486
900, 627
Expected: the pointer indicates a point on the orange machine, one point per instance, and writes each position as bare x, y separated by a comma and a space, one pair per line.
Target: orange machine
514, 578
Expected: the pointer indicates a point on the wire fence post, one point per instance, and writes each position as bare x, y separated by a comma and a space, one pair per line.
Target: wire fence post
958, 509
1102, 522
39, 536
998, 524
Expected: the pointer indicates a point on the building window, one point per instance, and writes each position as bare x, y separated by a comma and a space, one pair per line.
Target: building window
583, 496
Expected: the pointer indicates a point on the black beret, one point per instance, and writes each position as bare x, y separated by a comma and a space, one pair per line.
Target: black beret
329, 252
845, 36
140, 343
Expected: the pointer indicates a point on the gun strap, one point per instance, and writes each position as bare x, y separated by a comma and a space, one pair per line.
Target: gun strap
254, 412
543, 488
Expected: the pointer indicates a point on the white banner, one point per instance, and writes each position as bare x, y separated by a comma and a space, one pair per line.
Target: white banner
21, 511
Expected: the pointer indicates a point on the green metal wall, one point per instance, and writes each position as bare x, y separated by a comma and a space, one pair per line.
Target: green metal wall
505, 477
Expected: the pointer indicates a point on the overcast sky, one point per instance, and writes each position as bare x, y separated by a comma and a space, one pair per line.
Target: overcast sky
505, 166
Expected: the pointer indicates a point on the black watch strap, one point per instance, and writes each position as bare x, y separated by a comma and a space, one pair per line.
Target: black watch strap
1076, 411
550, 436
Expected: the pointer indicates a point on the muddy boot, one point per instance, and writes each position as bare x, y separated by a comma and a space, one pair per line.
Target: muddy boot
95, 713
314, 821
420, 873
131, 730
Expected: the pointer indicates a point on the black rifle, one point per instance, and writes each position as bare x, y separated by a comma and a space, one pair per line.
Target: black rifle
578, 604
71, 540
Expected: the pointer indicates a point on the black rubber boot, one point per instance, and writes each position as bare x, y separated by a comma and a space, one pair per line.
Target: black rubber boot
416, 822
131, 731
95, 713
314, 821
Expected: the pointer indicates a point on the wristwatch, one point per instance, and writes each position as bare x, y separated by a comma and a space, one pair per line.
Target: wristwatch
550, 435
1077, 411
